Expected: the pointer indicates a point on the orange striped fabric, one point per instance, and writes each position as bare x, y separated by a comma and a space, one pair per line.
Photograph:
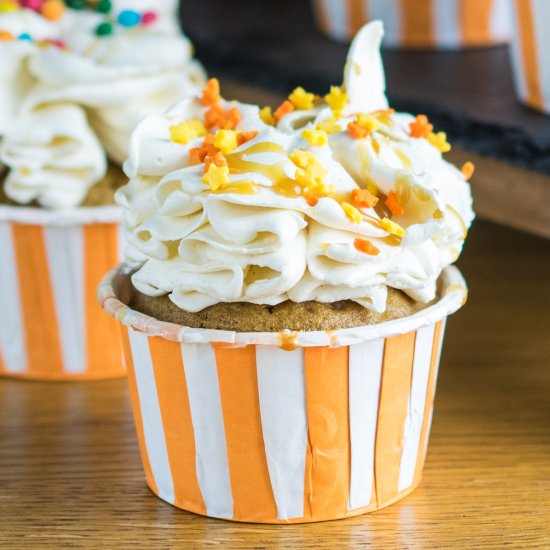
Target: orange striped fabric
529, 54
252, 494
328, 452
223, 430
357, 16
136, 408
42, 339
430, 396
323, 17
101, 253
418, 23
475, 21
178, 427
55, 329
396, 382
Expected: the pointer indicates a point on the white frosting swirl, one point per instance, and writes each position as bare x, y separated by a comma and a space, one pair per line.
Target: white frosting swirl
117, 79
53, 156
257, 241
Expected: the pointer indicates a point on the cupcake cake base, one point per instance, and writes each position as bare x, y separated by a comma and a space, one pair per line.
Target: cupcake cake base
247, 317
283, 427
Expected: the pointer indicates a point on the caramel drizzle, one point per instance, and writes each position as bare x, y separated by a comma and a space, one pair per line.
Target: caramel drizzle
288, 340
459, 218
282, 183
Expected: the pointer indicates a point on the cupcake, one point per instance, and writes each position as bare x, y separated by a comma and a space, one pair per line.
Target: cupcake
283, 301
439, 24
74, 83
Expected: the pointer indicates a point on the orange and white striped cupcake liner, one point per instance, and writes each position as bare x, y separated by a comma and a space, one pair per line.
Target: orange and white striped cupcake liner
447, 24
283, 428
51, 327
530, 52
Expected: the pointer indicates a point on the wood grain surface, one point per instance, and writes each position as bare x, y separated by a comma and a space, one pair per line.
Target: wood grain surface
70, 474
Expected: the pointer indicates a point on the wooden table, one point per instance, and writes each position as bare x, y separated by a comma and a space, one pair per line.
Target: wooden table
70, 474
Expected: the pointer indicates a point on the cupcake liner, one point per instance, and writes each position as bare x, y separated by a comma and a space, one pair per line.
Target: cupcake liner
51, 327
530, 53
446, 24
279, 427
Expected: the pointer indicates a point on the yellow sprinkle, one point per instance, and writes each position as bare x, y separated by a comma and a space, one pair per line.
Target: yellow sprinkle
267, 116
302, 158
310, 176
226, 141
351, 212
368, 122
321, 189
337, 99
392, 227
6, 7
186, 131
310, 171
315, 137
301, 99
217, 177
329, 127
439, 141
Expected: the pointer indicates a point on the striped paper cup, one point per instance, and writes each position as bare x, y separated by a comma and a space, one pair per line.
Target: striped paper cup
530, 52
446, 24
283, 427
51, 327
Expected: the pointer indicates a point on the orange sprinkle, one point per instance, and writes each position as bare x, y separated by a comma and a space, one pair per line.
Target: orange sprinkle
222, 118
420, 128
213, 116
366, 246
6, 36
284, 108
356, 131
243, 137
230, 119
198, 154
363, 198
53, 9
209, 140
211, 92
468, 170
217, 158
311, 200
195, 156
395, 208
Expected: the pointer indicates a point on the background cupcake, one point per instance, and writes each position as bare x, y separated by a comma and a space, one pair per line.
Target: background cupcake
74, 84
530, 53
289, 285
448, 24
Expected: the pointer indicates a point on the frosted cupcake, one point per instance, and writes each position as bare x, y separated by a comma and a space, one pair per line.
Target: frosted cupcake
74, 83
287, 279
